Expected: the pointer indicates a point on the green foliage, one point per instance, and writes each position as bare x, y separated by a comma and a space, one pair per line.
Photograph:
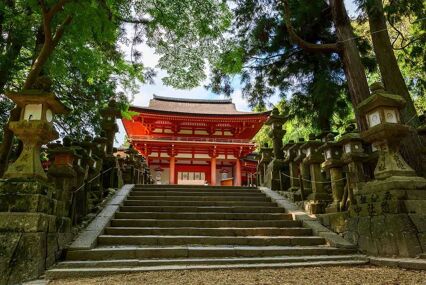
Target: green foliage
312, 87
406, 21
88, 67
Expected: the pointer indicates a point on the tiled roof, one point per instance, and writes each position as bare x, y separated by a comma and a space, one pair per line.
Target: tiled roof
192, 106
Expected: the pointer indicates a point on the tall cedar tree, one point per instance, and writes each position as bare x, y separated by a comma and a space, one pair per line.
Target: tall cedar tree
262, 53
390, 72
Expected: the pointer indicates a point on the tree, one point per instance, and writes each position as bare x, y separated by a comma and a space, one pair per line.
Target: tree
172, 28
390, 72
262, 51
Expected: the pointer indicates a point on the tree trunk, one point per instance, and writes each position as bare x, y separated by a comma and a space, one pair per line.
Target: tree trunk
6, 146
394, 82
353, 67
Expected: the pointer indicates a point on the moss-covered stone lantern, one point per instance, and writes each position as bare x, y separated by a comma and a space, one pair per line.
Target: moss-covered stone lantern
276, 133
332, 152
319, 197
34, 128
381, 112
109, 125
266, 156
353, 156
290, 153
305, 175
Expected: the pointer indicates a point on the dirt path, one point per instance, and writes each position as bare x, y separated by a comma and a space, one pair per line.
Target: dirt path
362, 275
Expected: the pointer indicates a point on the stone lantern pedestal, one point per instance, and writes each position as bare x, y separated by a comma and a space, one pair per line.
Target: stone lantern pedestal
389, 213
32, 234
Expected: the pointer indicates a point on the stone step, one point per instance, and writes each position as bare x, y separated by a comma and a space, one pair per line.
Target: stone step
203, 216
198, 193
142, 202
206, 261
109, 240
203, 223
209, 231
262, 198
94, 272
137, 252
197, 187
210, 209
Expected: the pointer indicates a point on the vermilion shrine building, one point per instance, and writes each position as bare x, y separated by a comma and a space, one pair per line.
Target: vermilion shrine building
190, 141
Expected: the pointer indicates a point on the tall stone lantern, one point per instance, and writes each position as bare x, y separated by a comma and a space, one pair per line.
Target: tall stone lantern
29, 213
353, 156
385, 220
34, 128
319, 197
276, 121
290, 153
277, 165
305, 188
381, 112
109, 125
265, 158
332, 152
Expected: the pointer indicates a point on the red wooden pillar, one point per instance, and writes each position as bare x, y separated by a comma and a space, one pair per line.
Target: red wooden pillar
213, 171
172, 171
237, 172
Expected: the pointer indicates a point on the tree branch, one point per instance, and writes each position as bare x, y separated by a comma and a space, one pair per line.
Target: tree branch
55, 9
133, 21
311, 47
60, 30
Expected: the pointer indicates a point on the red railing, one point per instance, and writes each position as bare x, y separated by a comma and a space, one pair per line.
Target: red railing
189, 139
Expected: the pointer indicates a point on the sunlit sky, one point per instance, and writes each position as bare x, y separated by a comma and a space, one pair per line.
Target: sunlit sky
146, 91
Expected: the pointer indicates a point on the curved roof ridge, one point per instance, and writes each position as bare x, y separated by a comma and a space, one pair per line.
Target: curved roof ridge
190, 100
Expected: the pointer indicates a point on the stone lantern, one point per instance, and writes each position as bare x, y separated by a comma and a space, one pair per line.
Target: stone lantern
109, 125
384, 220
277, 165
276, 121
381, 112
290, 153
319, 197
265, 158
332, 152
300, 153
101, 146
34, 128
62, 173
353, 156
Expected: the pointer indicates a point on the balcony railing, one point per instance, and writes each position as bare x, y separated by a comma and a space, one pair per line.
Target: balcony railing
190, 139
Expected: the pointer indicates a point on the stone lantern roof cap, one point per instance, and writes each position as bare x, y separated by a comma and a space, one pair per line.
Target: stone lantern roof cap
380, 98
275, 116
33, 96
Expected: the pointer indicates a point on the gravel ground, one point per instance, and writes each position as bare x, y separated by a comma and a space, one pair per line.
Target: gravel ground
361, 275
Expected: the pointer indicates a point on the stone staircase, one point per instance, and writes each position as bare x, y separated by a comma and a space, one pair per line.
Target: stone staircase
161, 227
